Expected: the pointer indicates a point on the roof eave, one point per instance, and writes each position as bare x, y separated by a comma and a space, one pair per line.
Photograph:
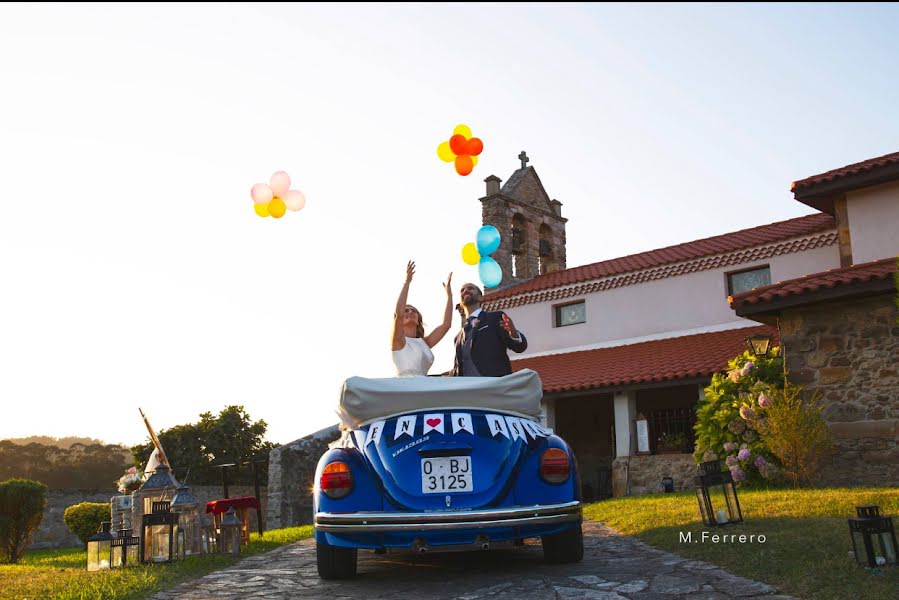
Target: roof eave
821, 196
768, 311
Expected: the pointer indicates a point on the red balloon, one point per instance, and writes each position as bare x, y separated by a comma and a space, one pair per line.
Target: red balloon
458, 144
474, 147
464, 164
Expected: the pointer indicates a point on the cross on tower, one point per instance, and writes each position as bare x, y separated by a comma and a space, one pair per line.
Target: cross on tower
523, 157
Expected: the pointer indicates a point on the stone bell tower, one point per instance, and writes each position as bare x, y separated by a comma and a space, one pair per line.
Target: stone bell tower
530, 224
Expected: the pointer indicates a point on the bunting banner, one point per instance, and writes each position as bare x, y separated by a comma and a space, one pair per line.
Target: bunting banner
494, 426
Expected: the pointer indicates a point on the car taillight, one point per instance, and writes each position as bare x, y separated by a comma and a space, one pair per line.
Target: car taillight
336, 480
555, 466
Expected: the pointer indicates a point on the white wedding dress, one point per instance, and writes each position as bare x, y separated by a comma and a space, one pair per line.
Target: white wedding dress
414, 359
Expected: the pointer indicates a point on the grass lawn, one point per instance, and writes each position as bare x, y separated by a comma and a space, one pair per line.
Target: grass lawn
62, 574
806, 551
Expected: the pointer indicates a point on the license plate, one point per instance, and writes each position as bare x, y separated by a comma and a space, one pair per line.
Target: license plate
446, 474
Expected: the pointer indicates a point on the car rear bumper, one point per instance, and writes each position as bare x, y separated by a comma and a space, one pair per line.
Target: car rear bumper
545, 514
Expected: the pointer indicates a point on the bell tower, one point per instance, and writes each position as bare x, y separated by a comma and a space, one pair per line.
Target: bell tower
531, 226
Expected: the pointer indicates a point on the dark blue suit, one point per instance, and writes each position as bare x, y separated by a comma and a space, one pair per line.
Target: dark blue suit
489, 341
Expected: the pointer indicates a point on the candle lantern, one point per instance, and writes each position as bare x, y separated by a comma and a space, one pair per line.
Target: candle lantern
229, 542
189, 524
873, 537
667, 485
209, 537
99, 548
162, 538
125, 549
717, 495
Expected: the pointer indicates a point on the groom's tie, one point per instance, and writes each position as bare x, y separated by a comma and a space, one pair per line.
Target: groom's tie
466, 330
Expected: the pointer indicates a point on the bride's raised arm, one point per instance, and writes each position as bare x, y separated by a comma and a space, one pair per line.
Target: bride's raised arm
399, 337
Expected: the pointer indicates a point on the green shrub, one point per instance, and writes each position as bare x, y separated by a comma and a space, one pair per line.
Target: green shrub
796, 433
22, 503
733, 410
84, 519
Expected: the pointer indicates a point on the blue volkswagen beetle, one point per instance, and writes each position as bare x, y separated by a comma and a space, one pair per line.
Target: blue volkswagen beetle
444, 463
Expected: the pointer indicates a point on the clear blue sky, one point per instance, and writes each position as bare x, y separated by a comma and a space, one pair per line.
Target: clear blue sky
135, 272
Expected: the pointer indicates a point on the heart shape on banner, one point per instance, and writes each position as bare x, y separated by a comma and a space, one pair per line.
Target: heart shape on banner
433, 422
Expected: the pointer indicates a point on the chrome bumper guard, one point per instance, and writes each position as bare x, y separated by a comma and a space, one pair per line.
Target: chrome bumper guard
540, 514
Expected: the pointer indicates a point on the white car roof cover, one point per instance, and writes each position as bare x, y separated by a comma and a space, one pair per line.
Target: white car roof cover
363, 400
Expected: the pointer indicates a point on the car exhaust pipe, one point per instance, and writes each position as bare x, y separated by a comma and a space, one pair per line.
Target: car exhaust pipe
419, 546
484, 541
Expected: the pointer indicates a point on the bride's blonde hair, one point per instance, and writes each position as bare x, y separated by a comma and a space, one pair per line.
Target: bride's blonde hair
420, 326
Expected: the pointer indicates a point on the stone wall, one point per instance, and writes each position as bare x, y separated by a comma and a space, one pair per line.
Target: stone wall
291, 473
848, 351
646, 473
53, 533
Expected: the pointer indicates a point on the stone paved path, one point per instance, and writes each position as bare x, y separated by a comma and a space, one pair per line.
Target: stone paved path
614, 568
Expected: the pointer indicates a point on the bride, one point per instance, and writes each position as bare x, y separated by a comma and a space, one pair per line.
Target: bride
411, 347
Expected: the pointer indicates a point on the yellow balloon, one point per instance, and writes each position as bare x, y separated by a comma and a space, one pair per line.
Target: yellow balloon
470, 254
474, 160
444, 152
277, 208
463, 130
261, 209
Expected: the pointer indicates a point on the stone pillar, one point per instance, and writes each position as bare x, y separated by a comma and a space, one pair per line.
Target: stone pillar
549, 413
625, 414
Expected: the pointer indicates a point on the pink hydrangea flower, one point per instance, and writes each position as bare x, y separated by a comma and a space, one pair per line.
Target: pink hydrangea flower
746, 368
737, 473
729, 446
763, 400
744, 454
747, 413
730, 460
734, 376
759, 461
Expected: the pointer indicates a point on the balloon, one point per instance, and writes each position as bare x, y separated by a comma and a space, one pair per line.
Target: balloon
464, 164
261, 209
488, 240
474, 146
462, 130
474, 161
280, 183
470, 254
277, 208
457, 144
261, 193
490, 272
445, 153
294, 200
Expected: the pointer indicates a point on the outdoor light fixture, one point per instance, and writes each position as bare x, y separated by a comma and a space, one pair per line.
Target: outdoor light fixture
209, 537
162, 538
758, 344
98, 549
230, 540
185, 506
124, 549
667, 484
717, 495
875, 534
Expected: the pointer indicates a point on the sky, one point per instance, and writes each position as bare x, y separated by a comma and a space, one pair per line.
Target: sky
134, 272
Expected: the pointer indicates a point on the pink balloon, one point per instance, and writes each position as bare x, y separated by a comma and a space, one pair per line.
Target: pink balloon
261, 193
295, 200
280, 184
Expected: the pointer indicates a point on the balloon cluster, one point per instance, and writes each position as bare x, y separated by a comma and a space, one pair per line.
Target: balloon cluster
276, 198
461, 149
477, 254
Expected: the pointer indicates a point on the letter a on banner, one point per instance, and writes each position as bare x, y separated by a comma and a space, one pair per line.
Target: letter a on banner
532, 428
462, 421
405, 426
516, 428
497, 425
374, 433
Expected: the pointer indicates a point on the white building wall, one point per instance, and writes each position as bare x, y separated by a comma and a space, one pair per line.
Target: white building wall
874, 222
655, 308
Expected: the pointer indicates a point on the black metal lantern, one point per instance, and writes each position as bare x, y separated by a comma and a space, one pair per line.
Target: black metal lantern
99, 548
667, 484
874, 534
758, 344
229, 542
184, 504
125, 549
717, 495
162, 538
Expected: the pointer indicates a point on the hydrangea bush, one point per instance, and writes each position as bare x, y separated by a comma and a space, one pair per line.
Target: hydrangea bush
733, 412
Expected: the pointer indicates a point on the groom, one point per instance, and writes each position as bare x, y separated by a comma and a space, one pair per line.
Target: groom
485, 336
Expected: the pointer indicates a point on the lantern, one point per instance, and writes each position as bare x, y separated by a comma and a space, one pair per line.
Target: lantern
98, 549
717, 495
185, 506
667, 484
229, 542
125, 549
162, 539
875, 534
758, 344
208, 536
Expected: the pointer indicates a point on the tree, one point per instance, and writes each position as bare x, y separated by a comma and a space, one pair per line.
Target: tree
229, 437
22, 503
86, 518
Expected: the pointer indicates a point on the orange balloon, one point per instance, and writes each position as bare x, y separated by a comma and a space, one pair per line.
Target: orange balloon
474, 146
457, 144
464, 165
277, 208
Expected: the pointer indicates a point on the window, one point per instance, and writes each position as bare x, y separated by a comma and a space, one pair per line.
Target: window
569, 314
743, 281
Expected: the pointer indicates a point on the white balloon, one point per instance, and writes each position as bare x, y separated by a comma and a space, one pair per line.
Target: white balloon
280, 184
261, 193
295, 200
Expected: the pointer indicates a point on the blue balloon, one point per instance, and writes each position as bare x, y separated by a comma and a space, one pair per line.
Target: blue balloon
490, 272
488, 240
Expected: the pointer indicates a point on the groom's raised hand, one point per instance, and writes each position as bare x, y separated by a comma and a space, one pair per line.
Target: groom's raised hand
509, 326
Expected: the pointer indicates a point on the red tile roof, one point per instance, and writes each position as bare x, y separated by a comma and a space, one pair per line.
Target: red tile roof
729, 242
699, 355
855, 169
862, 273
